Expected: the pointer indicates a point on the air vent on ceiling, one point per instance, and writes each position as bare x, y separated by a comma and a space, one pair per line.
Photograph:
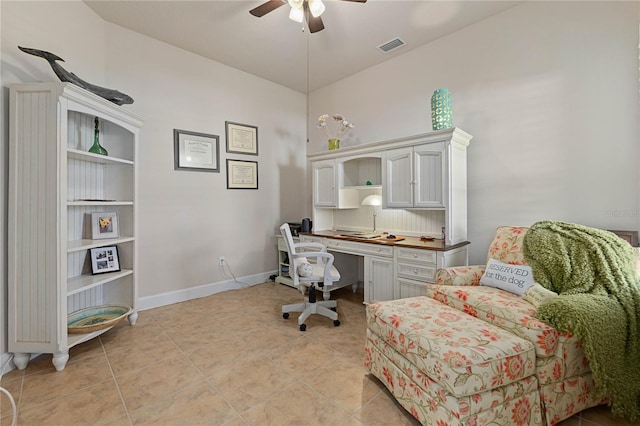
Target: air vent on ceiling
391, 45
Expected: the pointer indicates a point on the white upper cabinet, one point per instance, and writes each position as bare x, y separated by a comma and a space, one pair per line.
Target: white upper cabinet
325, 191
421, 172
414, 177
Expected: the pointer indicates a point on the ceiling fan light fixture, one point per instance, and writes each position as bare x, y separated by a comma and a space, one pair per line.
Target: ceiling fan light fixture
316, 7
296, 14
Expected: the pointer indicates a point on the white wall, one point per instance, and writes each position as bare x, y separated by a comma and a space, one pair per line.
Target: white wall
549, 90
186, 219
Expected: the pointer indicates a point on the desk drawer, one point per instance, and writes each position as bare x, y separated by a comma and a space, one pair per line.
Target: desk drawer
362, 248
308, 239
417, 272
416, 255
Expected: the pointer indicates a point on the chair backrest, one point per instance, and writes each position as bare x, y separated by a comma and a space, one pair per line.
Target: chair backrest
285, 230
507, 245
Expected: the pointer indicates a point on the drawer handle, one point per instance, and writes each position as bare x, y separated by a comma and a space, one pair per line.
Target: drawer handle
379, 249
415, 256
415, 271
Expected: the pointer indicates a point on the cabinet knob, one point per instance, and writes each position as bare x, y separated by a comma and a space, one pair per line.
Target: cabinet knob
415, 256
415, 271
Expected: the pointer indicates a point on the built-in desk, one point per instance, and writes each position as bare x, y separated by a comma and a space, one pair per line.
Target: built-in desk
392, 269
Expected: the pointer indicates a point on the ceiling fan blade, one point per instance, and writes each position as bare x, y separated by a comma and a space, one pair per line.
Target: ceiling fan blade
315, 24
267, 7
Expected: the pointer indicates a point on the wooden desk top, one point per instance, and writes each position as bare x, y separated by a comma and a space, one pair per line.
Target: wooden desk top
401, 241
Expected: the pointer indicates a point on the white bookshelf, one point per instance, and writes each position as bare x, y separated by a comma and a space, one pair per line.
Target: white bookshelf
55, 185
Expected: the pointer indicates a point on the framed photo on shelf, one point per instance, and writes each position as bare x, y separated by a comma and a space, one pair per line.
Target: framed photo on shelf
242, 174
104, 225
104, 259
196, 151
241, 138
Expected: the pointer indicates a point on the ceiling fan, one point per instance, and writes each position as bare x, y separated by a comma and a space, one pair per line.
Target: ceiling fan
300, 9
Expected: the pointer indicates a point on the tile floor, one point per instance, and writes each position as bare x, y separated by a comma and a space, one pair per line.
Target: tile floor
227, 359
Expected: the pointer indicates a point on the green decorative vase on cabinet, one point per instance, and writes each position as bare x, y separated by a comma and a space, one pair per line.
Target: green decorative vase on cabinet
96, 148
441, 109
334, 144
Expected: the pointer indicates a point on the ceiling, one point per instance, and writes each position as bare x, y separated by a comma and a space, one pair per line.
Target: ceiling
277, 49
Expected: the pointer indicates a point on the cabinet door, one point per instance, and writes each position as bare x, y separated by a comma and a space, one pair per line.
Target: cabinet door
324, 184
398, 178
428, 176
378, 279
409, 288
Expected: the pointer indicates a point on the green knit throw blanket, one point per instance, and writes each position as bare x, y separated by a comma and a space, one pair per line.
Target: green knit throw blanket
599, 302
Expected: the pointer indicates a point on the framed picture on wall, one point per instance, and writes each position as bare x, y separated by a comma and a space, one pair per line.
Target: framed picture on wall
104, 259
242, 174
196, 151
241, 138
104, 225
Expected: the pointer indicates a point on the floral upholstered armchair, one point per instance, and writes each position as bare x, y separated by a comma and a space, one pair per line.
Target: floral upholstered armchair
565, 380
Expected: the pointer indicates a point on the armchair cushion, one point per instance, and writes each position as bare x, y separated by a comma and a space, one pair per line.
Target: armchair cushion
503, 309
507, 245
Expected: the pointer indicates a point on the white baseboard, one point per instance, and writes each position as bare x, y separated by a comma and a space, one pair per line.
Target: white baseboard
182, 295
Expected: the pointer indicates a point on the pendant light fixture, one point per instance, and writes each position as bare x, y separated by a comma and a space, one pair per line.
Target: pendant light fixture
316, 7
297, 10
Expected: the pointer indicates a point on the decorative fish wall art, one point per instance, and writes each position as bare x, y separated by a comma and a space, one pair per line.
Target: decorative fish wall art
112, 95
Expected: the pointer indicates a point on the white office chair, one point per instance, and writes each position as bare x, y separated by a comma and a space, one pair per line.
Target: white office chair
321, 272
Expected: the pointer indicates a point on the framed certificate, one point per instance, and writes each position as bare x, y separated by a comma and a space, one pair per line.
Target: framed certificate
241, 138
196, 151
242, 174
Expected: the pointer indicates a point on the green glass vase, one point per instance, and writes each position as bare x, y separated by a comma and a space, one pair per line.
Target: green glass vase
334, 144
441, 109
96, 148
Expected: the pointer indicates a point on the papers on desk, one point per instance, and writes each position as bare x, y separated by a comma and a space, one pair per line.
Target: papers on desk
363, 235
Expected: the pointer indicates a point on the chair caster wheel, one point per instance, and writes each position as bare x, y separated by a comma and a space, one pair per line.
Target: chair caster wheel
303, 327
285, 315
336, 323
334, 309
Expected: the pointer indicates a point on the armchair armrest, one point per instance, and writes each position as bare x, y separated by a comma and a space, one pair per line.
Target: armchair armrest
460, 275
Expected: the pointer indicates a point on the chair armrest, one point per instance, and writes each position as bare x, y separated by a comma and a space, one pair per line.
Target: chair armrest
460, 275
315, 254
318, 246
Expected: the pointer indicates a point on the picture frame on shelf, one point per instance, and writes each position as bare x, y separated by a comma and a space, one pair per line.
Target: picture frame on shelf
241, 138
196, 151
104, 259
104, 225
242, 174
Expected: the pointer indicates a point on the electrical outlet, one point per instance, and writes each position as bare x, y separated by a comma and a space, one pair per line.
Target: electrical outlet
221, 261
